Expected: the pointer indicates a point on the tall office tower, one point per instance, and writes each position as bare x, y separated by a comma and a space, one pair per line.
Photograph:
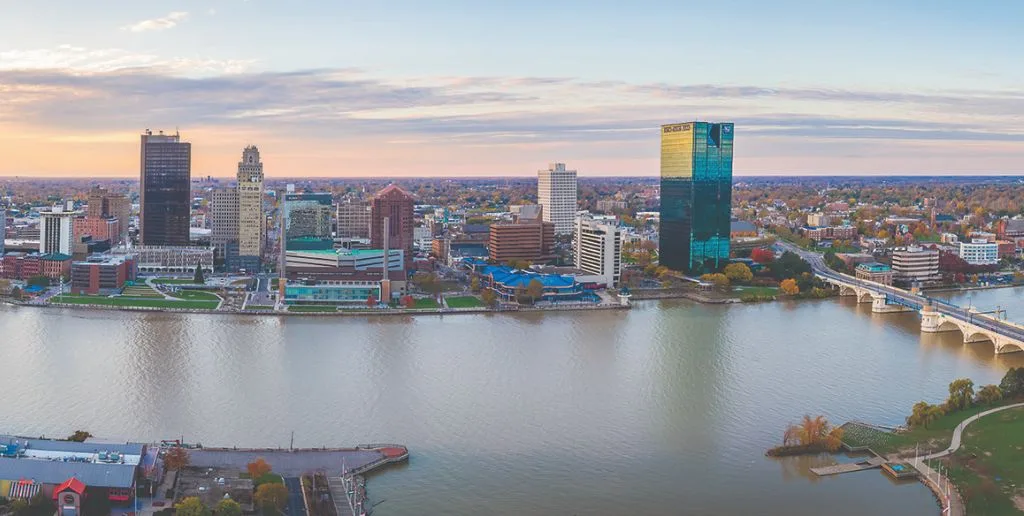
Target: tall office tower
598, 242
556, 193
251, 221
307, 215
396, 206
56, 234
164, 190
106, 205
3, 228
354, 219
696, 196
224, 225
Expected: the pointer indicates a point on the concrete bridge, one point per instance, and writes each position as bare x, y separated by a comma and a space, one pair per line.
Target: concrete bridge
936, 315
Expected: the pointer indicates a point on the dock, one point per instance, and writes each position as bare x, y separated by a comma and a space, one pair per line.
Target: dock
850, 467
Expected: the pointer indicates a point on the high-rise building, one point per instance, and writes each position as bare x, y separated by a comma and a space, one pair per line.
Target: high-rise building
224, 224
915, 266
307, 215
251, 221
56, 231
354, 219
598, 242
3, 228
696, 196
556, 193
164, 190
396, 206
106, 205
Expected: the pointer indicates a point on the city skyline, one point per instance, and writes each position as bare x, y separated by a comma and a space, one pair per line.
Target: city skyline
868, 89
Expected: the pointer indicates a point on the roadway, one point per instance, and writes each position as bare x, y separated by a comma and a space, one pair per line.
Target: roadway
820, 268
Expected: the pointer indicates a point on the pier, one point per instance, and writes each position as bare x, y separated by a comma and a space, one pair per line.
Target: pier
850, 467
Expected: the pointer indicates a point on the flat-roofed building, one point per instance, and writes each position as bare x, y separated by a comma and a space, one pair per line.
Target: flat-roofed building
102, 274
877, 272
915, 266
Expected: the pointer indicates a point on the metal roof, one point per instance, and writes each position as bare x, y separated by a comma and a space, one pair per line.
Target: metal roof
72, 446
54, 472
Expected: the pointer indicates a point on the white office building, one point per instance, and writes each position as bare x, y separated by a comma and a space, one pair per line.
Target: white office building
557, 193
915, 266
55, 231
598, 247
979, 252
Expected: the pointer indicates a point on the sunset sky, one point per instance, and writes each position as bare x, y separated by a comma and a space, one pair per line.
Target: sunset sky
476, 88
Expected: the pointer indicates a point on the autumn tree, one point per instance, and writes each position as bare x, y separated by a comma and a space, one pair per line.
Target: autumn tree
534, 289
407, 301
79, 436
989, 394
191, 506
272, 495
961, 394
474, 284
738, 273
719, 280
489, 297
227, 507
371, 301
258, 468
762, 255
816, 431
789, 287
176, 458
924, 414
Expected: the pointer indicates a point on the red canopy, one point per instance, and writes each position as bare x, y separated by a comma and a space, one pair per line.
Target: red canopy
73, 484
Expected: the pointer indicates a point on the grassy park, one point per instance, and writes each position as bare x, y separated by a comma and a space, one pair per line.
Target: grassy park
135, 302
934, 437
312, 309
195, 295
174, 281
987, 469
426, 303
464, 302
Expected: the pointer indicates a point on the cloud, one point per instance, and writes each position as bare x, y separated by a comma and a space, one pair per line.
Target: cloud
157, 24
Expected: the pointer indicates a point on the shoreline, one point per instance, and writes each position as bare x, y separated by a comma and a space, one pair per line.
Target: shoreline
968, 289
339, 313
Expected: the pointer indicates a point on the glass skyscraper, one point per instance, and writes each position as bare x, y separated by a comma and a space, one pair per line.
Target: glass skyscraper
165, 190
696, 196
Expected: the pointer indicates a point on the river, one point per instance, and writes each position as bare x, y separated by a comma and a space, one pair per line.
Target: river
663, 409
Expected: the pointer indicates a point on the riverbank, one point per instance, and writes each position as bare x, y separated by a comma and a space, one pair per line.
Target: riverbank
355, 312
969, 289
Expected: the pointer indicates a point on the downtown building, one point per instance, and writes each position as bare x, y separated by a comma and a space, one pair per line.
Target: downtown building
56, 231
557, 193
106, 206
307, 215
164, 190
915, 266
598, 248
354, 218
237, 222
696, 196
394, 206
527, 238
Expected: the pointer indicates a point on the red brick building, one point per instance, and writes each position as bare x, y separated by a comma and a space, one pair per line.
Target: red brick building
97, 228
396, 205
102, 274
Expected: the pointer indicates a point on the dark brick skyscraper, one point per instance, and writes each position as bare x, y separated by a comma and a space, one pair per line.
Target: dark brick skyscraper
397, 205
165, 184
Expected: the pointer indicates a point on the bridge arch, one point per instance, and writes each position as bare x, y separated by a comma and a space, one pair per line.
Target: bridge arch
1009, 347
864, 296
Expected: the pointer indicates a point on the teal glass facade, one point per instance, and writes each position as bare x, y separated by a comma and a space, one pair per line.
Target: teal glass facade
330, 294
696, 196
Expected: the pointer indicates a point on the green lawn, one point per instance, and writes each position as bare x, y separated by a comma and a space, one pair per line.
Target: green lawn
934, 438
141, 291
312, 308
141, 302
172, 281
196, 295
258, 307
464, 302
988, 470
426, 302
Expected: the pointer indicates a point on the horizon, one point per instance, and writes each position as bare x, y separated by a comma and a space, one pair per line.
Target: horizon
852, 89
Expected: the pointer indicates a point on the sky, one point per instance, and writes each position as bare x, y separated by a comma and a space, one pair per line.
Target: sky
501, 88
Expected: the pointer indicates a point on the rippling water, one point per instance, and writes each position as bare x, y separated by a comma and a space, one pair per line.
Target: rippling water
663, 409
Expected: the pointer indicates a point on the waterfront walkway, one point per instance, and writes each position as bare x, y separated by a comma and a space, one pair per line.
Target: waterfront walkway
849, 467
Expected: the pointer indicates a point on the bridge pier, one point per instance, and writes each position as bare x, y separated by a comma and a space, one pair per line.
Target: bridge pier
879, 305
933, 322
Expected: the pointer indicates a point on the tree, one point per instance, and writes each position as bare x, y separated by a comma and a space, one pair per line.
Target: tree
738, 273
989, 394
489, 297
17, 293
228, 507
961, 394
789, 287
371, 301
1012, 384
197, 276
257, 468
474, 284
534, 289
762, 255
719, 280
41, 505
191, 506
176, 458
407, 301
816, 431
18, 507
923, 414
272, 495
79, 436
